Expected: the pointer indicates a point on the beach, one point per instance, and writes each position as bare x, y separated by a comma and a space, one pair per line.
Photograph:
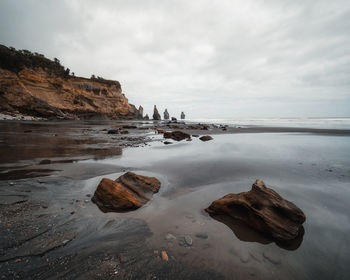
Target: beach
50, 229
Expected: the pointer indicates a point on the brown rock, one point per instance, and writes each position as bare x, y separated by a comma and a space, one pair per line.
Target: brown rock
177, 135
206, 138
263, 210
129, 192
164, 256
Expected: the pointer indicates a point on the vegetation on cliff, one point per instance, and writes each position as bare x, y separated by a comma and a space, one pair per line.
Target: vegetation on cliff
34, 85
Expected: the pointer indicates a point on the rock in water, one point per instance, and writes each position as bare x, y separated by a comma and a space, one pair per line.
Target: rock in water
129, 192
140, 113
173, 119
156, 115
183, 115
166, 114
206, 138
146, 117
264, 210
177, 135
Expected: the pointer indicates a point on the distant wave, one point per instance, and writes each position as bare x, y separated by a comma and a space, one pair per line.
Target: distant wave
335, 123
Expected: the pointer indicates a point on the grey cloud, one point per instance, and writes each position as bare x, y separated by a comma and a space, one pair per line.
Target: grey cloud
210, 58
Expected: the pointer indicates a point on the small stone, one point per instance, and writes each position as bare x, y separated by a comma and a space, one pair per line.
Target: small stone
169, 236
72, 212
12, 183
206, 138
65, 242
188, 240
88, 195
164, 256
202, 235
167, 142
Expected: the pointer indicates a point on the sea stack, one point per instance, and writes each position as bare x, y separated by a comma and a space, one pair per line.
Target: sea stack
146, 117
166, 114
140, 113
183, 115
156, 115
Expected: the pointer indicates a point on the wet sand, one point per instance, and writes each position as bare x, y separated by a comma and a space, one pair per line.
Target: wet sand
50, 229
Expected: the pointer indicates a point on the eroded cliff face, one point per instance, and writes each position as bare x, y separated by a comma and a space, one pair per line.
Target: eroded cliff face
37, 92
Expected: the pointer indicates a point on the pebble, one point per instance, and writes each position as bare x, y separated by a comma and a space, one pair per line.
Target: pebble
188, 240
164, 256
169, 236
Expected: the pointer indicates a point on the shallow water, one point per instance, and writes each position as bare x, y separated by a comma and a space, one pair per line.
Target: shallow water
311, 170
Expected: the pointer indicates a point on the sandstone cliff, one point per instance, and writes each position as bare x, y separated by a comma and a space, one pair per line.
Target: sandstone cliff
33, 85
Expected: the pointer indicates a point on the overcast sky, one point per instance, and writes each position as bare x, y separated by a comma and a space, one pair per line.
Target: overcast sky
211, 59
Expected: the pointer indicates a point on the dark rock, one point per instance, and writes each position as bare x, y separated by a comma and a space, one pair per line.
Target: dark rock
174, 119
129, 192
263, 210
129, 126
156, 115
140, 113
166, 114
177, 135
45, 161
183, 115
168, 142
206, 138
195, 135
124, 132
146, 117
113, 131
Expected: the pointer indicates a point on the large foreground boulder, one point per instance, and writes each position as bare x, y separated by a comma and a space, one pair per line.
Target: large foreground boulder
263, 210
129, 192
177, 135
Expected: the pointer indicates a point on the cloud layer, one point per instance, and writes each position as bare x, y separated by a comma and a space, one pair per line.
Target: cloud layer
243, 58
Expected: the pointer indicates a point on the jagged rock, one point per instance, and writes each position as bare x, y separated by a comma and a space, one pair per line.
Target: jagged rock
183, 115
129, 192
206, 138
140, 113
263, 210
177, 135
173, 119
166, 114
146, 117
156, 115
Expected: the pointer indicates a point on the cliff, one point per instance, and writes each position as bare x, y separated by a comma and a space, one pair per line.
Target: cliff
33, 85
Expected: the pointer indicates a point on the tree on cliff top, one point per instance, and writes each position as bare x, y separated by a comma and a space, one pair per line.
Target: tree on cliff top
15, 60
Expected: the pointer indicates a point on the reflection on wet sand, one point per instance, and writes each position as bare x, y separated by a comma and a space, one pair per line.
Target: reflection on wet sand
244, 233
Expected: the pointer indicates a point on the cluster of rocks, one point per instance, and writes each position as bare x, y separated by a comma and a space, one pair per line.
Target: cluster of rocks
166, 115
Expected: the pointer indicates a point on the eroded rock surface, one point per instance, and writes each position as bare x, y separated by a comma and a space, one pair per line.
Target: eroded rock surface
264, 210
129, 192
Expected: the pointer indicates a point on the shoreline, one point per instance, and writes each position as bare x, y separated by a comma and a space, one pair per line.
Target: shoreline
50, 228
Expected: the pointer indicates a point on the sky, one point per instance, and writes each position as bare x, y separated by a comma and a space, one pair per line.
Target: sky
210, 59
